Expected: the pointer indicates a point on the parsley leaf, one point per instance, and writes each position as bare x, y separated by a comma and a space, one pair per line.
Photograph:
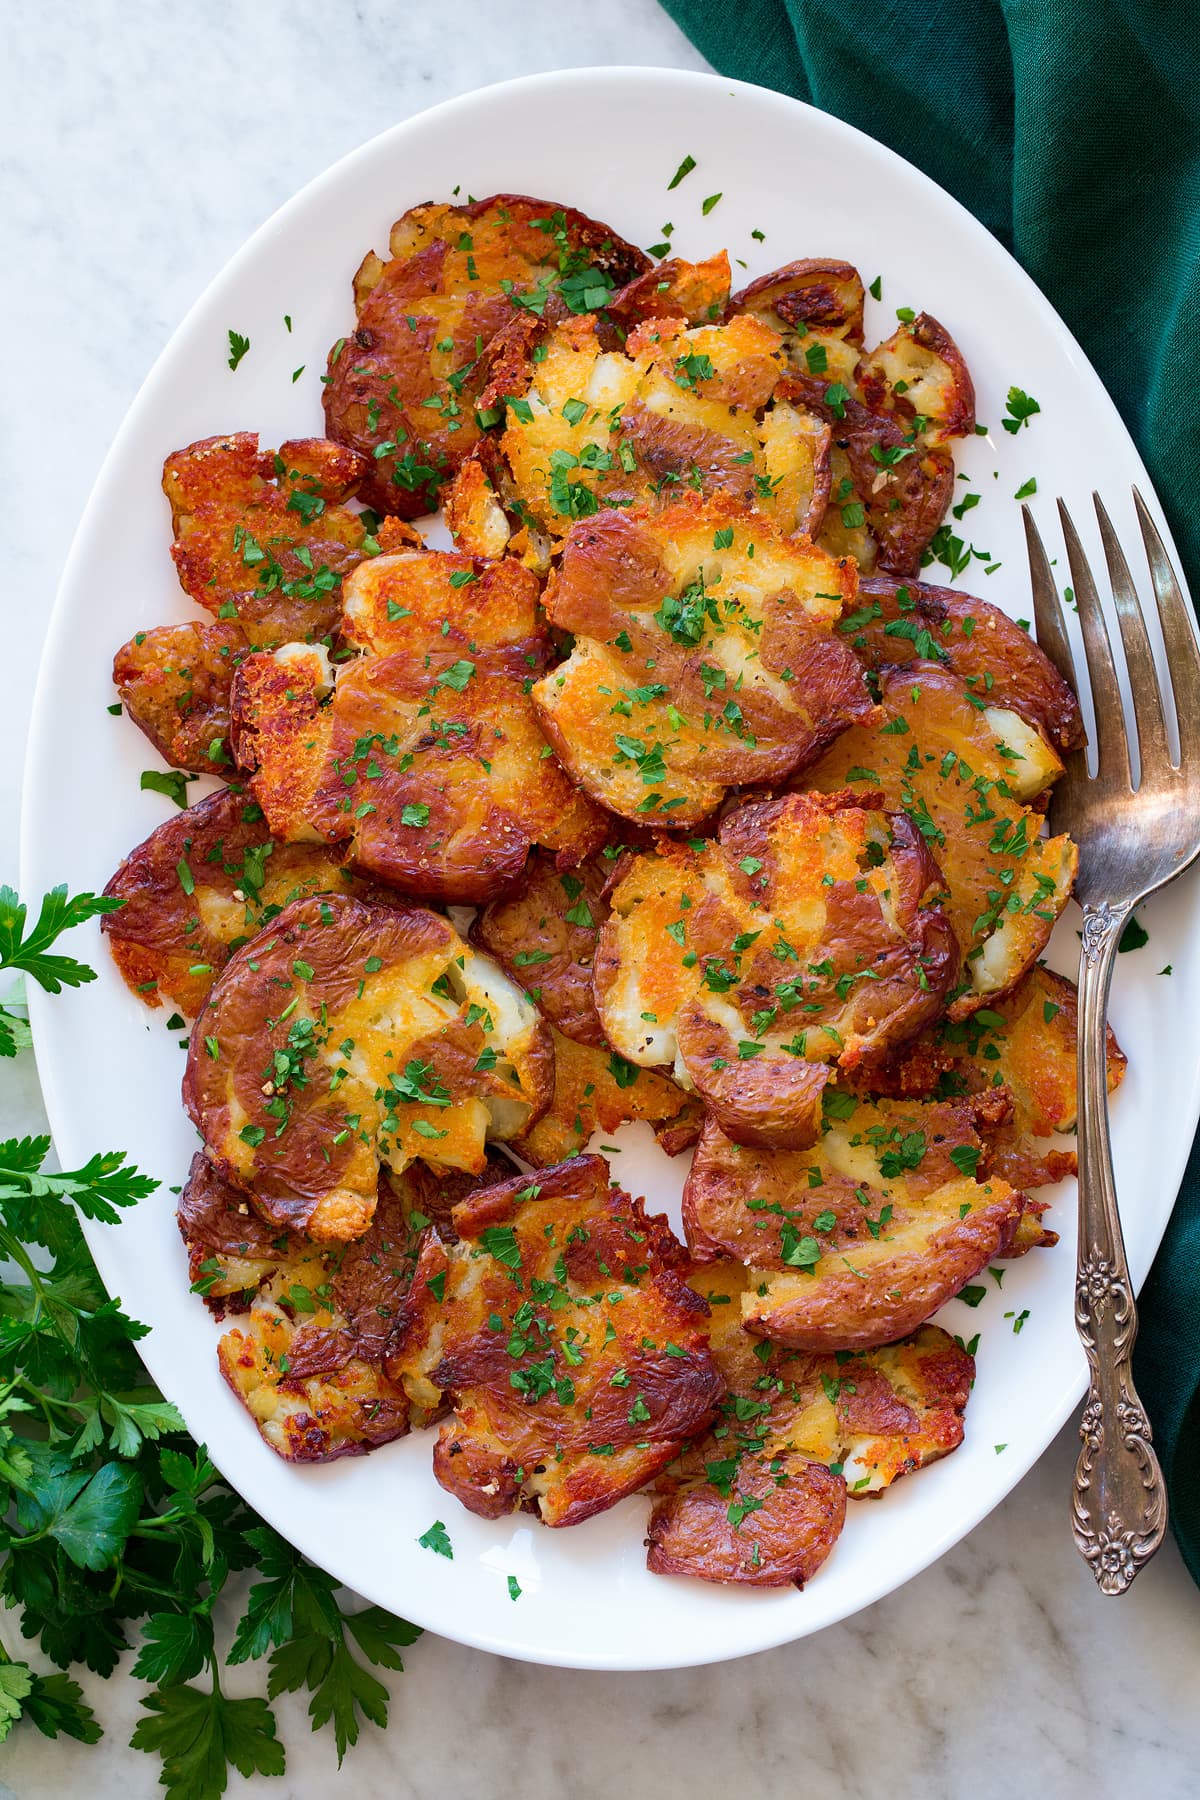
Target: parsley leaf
30, 951
199, 1735
171, 782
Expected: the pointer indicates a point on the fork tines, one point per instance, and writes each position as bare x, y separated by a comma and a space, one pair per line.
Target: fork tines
1183, 653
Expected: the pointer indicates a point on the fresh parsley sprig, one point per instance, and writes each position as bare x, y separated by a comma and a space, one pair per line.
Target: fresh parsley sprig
115, 1528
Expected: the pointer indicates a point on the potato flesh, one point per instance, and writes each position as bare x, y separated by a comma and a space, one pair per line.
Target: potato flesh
1006, 884
678, 406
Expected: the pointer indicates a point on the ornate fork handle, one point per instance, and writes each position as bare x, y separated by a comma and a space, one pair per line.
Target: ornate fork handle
1119, 1501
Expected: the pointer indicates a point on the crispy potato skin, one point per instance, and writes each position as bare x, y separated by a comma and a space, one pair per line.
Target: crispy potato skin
346, 1036
858, 1240
792, 1526
538, 1419
544, 936
1005, 884
810, 302
761, 940
705, 657
422, 603
597, 1090
169, 944
756, 1500
260, 537
174, 683
978, 642
892, 477
438, 779
1022, 1044
405, 385
697, 293
307, 1360
475, 517
711, 407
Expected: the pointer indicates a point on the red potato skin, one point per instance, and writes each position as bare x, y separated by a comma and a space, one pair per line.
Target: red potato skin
904, 501
317, 1175
166, 942
976, 639
531, 923
674, 289
174, 684
813, 291
793, 1531
737, 1202
470, 761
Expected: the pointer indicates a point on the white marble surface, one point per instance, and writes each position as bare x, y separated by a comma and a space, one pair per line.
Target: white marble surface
139, 144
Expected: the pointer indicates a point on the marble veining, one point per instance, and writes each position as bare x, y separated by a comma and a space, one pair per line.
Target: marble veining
139, 145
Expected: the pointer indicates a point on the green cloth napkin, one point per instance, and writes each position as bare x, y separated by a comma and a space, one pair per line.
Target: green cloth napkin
1071, 128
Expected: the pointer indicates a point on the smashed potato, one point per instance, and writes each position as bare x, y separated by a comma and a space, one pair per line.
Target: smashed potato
898, 622
307, 1362
261, 537
704, 657
806, 936
597, 1090
437, 605
573, 1355
202, 884
436, 777
858, 1240
174, 683
697, 293
963, 771
404, 386
544, 936
890, 412
761, 1498
347, 1036
708, 407
1024, 1042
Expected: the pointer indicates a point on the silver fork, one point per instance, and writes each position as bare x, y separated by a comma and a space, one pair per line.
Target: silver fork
1132, 841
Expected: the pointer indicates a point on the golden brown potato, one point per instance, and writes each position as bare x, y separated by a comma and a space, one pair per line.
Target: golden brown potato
597, 1090
307, 1360
261, 537
440, 606
174, 682
708, 407
896, 622
805, 937
436, 777
697, 293
544, 936
858, 1240
705, 657
347, 1036
760, 1499
1023, 1044
572, 1353
918, 376
962, 771
475, 515
234, 1251
891, 411
404, 386
816, 306
202, 884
